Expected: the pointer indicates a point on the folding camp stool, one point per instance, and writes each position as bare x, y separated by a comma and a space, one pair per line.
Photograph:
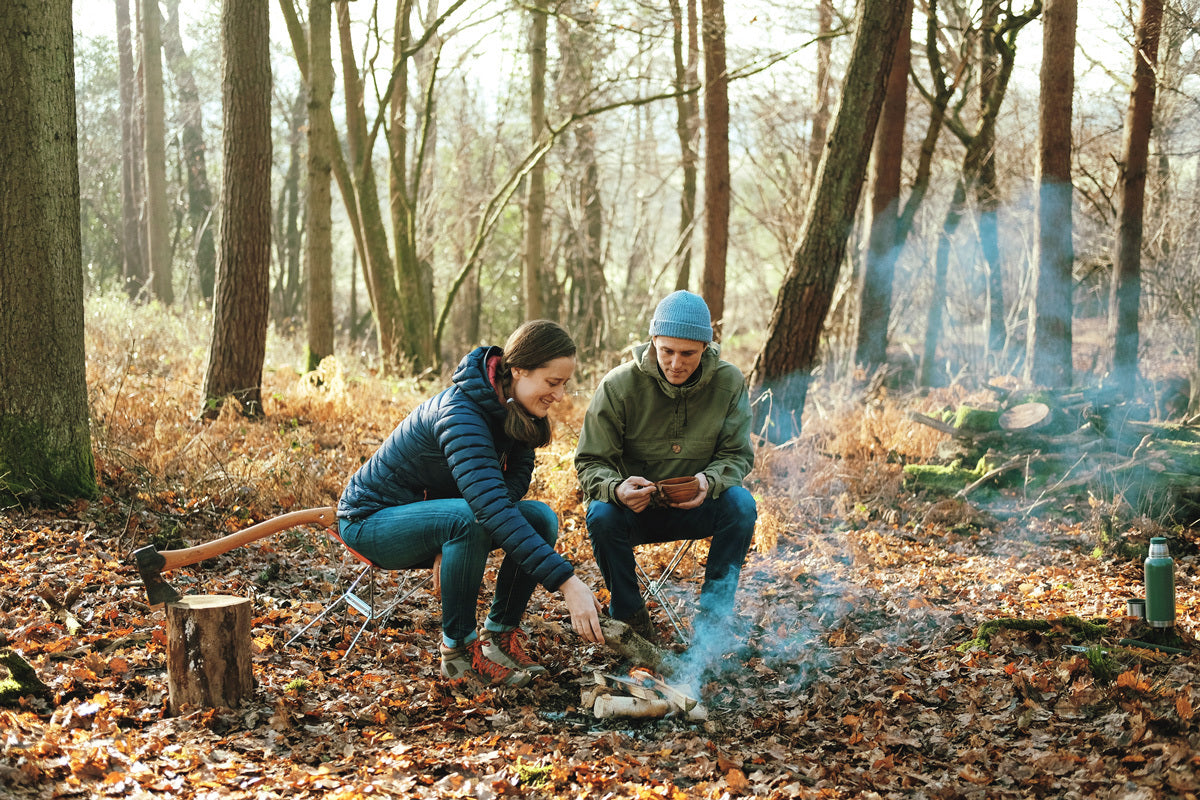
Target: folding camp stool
366, 600
656, 588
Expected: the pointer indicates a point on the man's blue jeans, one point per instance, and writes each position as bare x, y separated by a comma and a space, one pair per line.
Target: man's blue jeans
728, 520
407, 536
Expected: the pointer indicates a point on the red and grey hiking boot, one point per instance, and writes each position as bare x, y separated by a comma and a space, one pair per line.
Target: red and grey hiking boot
469, 661
508, 648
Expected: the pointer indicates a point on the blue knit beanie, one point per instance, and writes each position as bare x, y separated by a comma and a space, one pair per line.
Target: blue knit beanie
683, 315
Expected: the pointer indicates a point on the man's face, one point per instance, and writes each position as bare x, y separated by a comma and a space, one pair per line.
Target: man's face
677, 358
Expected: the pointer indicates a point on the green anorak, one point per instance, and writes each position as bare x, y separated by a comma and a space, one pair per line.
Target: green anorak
638, 423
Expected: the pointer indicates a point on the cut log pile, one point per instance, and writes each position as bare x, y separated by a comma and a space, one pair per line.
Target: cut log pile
1058, 444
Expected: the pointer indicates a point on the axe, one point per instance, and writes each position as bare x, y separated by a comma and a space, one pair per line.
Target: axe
151, 563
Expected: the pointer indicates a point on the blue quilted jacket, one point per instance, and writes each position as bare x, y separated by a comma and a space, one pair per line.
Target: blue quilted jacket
454, 445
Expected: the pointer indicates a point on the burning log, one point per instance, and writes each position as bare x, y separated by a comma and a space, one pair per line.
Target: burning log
607, 705
641, 695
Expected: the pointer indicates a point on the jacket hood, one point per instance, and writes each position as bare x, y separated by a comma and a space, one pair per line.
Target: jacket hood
647, 362
475, 376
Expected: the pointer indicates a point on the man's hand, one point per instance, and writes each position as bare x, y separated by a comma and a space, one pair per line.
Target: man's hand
635, 493
437, 576
701, 494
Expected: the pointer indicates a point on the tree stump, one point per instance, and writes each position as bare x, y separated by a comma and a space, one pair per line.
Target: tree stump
208, 652
1026, 417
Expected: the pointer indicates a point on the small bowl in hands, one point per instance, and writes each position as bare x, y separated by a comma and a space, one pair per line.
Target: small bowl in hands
678, 490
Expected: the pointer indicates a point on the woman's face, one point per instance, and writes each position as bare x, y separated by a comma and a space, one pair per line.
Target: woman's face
538, 389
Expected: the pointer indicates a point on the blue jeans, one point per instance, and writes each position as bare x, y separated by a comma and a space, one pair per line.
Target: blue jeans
409, 536
615, 531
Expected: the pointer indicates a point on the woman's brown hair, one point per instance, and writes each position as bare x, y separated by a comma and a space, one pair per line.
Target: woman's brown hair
534, 344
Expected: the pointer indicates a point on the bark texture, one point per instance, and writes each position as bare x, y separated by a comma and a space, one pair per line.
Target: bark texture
208, 652
45, 443
318, 244
238, 348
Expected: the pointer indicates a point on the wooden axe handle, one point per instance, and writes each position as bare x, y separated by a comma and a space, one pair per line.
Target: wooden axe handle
174, 559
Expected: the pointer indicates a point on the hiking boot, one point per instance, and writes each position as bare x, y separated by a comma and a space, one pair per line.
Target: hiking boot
640, 622
508, 648
469, 661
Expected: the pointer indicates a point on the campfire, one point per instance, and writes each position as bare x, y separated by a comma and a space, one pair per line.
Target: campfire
642, 694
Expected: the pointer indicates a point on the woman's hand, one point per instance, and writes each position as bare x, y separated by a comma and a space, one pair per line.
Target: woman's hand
584, 609
437, 576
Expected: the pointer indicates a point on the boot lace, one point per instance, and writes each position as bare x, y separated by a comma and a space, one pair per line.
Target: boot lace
497, 673
513, 643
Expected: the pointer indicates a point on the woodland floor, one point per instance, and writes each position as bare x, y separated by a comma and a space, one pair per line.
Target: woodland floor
854, 680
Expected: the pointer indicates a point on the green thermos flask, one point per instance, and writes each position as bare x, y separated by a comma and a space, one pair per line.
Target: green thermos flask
1160, 585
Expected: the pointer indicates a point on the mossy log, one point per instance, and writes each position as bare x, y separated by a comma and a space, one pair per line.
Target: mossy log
19, 679
1077, 627
1058, 450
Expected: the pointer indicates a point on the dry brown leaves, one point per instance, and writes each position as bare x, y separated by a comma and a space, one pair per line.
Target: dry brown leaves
850, 680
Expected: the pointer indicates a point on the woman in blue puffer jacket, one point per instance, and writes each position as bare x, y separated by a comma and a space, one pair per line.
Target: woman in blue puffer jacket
446, 488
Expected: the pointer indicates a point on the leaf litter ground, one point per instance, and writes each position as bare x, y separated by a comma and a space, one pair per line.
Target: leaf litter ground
856, 679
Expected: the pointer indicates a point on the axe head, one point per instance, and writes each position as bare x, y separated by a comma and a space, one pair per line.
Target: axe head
150, 564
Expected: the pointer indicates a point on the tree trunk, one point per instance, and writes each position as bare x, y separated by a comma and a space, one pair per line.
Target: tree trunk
1048, 347
158, 242
821, 113
209, 661
783, 366
318, 242
45, 444
986, 189
687, 125
1127, 268
191, 141
289, 285
884, 241
535, 207
588, 287
136, 275
413, 282
367, 216
716, 160
238, 347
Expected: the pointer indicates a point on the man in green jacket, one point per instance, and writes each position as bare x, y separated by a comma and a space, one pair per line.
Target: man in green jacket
675, 410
